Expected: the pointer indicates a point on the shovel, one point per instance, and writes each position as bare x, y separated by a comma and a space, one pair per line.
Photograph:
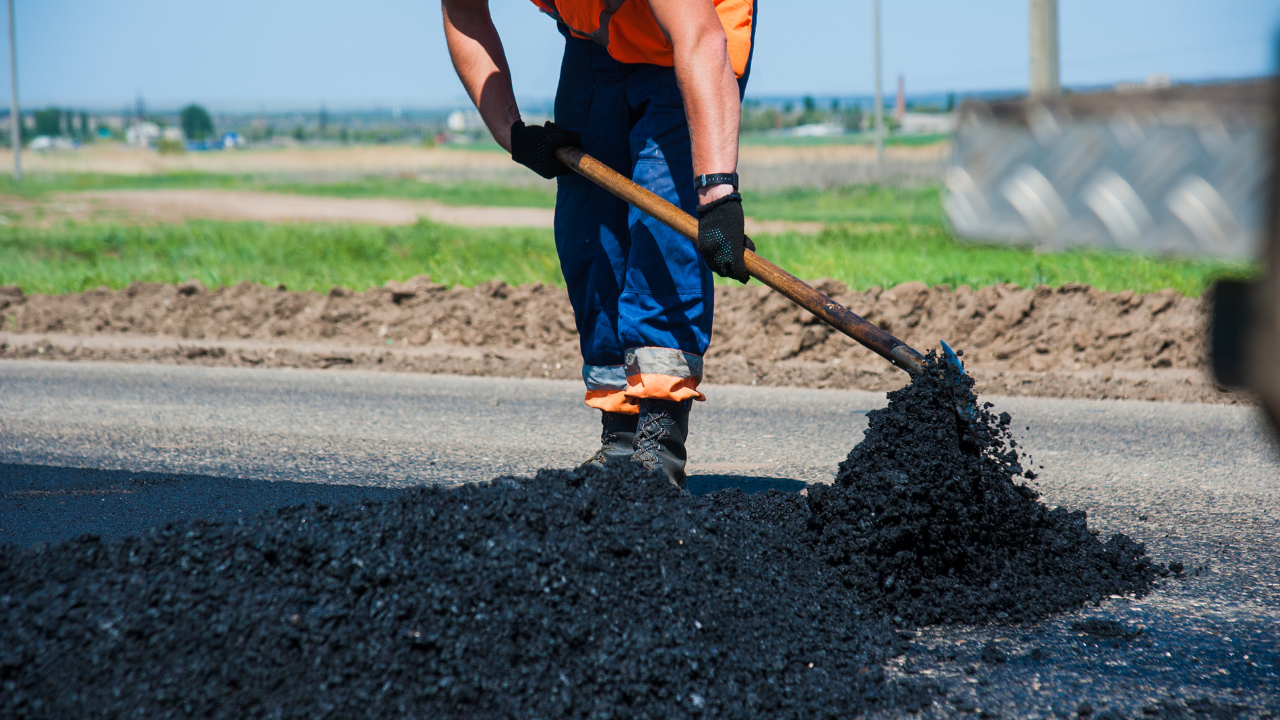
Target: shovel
829, 311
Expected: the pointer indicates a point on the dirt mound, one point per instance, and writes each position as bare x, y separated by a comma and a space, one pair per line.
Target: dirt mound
926, 519
1072, 341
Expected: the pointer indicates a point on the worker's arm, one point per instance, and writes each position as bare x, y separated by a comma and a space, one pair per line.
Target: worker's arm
707, 84
477, 55
710, 93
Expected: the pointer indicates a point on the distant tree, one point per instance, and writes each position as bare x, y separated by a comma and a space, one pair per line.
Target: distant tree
811, 112
951, 101
196, 123
49, 121
853, 119
299, 133
84, 124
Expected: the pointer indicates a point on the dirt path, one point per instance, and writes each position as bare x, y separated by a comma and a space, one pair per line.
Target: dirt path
1072, 341
390, 159
180, 205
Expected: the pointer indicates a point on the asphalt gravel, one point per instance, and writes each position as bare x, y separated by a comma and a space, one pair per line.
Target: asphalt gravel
1202, 645
565, 595
562, 595
930, 519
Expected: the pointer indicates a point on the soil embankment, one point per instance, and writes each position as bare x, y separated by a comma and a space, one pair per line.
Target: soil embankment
1072, 341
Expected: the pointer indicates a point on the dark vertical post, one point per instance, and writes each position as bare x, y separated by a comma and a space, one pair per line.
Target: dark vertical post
15, 114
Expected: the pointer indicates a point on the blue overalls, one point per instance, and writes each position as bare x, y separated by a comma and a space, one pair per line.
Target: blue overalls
642, 296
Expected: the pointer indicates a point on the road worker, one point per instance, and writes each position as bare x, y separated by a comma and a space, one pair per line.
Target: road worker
651, 88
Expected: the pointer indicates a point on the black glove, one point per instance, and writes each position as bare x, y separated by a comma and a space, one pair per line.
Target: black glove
535, 146
720, 237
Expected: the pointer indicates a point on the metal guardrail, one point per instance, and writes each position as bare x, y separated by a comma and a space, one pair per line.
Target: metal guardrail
1180, 171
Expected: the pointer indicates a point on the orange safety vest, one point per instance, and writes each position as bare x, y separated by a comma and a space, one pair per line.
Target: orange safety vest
632, 35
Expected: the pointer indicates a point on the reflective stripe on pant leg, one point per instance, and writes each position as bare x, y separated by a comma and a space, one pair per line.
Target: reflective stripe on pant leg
663, 374
607, 389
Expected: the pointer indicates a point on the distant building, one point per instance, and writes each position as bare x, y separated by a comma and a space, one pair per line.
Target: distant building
1153, 82
464, 120
812, 130
927, 123
45, 142
142, 134
113, 122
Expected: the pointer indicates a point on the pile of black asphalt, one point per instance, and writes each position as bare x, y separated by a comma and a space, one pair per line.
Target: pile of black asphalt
927, 521
568, 594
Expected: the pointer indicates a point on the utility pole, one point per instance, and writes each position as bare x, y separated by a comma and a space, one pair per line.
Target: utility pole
879, 101
1044, 48
15, 115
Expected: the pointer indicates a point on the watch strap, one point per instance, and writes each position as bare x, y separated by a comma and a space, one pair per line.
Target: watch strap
702, 181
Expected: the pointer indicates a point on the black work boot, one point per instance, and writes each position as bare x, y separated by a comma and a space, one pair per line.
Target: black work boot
616, 439
664, 426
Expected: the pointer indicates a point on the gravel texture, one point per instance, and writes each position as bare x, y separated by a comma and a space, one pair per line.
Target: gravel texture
563, 595
926, 519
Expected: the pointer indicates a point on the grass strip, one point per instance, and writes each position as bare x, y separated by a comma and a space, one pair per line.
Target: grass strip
72, 258
862, 255
460, 193
858, 203
35, 186
774, 139
301, 257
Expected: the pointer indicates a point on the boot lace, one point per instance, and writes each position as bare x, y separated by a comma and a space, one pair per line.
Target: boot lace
653, 429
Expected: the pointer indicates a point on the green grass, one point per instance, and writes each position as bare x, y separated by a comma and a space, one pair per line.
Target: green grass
875, 236
302, 257
886, 254
863, 203
460, 193
882, 250
765, 139
38, 185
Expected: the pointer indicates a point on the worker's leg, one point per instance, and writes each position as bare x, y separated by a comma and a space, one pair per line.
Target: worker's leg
591, 224
667, 299
665, 310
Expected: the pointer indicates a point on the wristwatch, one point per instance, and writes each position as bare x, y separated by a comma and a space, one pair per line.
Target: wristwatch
702, 181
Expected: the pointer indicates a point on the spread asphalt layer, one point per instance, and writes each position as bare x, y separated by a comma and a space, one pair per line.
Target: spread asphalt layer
1196, 483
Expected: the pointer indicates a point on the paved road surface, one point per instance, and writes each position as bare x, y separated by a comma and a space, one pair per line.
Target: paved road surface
113, 449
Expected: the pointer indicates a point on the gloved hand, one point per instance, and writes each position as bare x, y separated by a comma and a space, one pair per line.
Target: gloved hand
535, 146
720, 237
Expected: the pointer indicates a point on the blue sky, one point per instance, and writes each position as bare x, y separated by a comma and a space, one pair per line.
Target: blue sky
284, 54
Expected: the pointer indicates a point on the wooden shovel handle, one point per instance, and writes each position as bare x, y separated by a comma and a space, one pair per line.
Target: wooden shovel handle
793, 288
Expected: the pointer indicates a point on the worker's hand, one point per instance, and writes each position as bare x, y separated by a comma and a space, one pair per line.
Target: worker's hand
721, 239
534, 146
